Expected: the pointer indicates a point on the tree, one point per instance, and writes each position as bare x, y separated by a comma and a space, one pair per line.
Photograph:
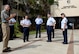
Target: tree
46, 5
38, 6
50, 2
35, 7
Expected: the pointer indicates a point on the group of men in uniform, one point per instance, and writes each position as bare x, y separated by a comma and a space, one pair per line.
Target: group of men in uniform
50, 27
26, 23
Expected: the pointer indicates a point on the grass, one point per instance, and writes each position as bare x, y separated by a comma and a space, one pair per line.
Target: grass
19, 34
31, 32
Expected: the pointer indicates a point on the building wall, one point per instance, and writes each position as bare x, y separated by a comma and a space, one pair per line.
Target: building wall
69, 7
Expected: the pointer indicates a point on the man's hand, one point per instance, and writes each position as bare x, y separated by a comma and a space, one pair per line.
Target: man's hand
12, 15
63, 29
54, 27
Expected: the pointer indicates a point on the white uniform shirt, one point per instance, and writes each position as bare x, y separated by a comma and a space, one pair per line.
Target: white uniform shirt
38, 20
25, 23
21, 22
12, 21
63, 22
50, 21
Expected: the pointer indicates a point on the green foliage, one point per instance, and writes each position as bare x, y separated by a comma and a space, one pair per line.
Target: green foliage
50, 2
31, 33
16, 26
31, 3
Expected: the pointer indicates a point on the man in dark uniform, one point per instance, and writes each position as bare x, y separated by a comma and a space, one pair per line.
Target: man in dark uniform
50, 25
64, 27
38, 22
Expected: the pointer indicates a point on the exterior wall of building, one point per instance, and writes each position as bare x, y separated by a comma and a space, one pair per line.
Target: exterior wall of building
69, 7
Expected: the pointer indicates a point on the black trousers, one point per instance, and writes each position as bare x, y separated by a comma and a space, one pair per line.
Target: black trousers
38, 30
11, 31
52, 31
0, 37
26, 33
49, 31
65, 36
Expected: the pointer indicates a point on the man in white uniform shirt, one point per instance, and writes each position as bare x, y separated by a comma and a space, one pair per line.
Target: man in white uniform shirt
12, 21
50, 26
21, 21
26, 24
11, 25
64, 28
38, 22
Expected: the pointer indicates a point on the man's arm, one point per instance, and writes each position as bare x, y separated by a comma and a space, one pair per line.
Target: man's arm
54, 25
42, 20
12, 22
11, 16
64, 26
29, 23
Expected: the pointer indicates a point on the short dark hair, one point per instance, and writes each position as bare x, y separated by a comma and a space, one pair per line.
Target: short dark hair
38, 15
25, 15
63, 14
49, 13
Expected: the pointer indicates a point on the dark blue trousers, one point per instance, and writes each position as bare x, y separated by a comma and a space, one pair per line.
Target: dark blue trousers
38, 30
26, 33
11, 31
49, 31
65, 36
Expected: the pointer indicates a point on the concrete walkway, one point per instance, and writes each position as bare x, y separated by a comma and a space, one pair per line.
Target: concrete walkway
40, 46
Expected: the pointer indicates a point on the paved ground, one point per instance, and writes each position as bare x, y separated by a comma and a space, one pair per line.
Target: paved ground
40, 46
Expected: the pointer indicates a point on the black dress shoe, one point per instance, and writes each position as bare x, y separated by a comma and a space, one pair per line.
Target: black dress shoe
39, 37
24, 41
27, 40
7, 50
65, 43
35, 37
11, 39
8, 47
52, 37
49, 41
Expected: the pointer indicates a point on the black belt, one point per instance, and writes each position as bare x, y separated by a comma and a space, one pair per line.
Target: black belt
49, 26
4, 22
38, 24
25, 27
